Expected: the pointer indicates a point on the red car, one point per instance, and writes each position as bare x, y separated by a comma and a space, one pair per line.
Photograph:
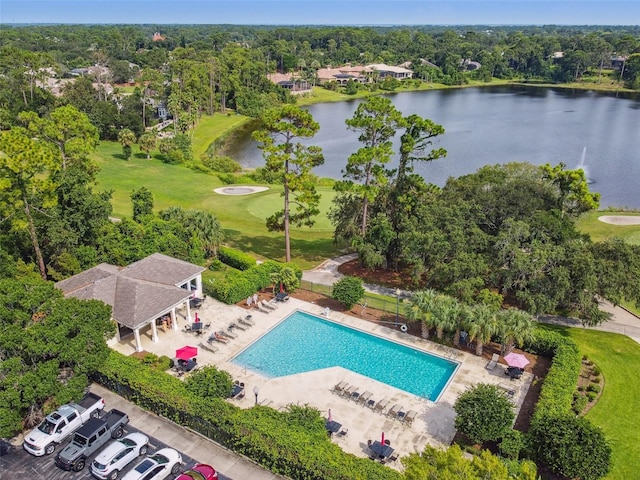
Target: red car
199, 472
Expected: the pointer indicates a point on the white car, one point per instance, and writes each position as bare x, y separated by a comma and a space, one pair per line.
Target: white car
157, 466
116, 456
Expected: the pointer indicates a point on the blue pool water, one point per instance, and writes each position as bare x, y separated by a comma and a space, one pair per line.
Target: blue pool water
303, 342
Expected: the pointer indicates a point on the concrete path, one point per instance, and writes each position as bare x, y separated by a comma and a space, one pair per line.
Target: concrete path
196, 446
621, 320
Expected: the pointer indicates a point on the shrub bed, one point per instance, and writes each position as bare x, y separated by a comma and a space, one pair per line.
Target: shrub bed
237, 286
293, 443
235, 258
569, 445
556, 396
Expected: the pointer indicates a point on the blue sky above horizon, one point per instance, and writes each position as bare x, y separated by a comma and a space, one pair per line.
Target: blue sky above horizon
324, 12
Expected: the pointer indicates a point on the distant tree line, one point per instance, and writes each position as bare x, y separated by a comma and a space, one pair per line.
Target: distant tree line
206, 69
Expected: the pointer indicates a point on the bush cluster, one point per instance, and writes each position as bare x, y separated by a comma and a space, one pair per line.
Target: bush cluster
238, 285
348, 290
292, 443
235, 258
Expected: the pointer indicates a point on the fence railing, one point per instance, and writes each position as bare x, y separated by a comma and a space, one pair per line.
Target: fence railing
386, 304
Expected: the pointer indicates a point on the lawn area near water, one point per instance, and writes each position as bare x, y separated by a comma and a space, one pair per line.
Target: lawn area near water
618, 410
212, 127
599, 231
243, 217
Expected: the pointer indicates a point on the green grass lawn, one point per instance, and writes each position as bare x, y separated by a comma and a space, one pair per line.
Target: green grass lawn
600, 231
212, 127
618, 410
242, 217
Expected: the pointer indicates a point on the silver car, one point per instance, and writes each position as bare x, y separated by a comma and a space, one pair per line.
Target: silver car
116, 456
157, 466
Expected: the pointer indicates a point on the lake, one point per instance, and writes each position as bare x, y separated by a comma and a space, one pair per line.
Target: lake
493, 125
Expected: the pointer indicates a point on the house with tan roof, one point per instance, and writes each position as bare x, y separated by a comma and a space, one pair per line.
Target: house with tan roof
384, 71
342, 75
362, 73
141, 293
291, 82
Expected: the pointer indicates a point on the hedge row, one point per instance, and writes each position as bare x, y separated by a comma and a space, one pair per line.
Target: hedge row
235, 258
556, 395
237, 286
570, 446
292, 443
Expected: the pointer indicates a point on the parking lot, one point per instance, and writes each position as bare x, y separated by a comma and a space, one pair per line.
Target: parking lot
20, 464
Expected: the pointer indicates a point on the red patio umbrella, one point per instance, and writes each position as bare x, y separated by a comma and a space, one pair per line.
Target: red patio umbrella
186, 352
516, 360
382, 441
197, 319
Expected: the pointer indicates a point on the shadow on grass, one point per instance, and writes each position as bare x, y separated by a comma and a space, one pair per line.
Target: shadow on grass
273, 247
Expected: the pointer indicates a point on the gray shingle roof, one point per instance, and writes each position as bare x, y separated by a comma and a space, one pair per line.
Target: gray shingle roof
138, 293
162, 269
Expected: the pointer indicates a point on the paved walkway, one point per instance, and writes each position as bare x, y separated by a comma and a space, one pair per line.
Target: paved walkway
621, 320
196, 446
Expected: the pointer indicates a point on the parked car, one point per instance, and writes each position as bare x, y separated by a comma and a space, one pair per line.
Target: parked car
90, 438
59, 425
199, 472
157, 466
116, 456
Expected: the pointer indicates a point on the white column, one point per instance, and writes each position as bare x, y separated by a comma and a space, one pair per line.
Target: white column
154, 332
188, 311
136, 333
199, 285
174, 320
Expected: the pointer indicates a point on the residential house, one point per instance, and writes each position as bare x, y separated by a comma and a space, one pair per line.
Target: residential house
291, 82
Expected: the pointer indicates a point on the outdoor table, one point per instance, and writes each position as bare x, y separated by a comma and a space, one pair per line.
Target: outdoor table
197, 328
332, 426
237, 391
383, 451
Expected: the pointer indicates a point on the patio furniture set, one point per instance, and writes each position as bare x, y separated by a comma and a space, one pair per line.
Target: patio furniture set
515, 361
381, 450
237, 391
396, 412
226, 336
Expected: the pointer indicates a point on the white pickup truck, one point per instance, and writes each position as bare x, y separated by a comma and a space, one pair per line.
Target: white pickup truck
59, 425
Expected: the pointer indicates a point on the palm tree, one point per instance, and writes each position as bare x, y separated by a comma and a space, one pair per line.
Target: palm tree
148, 142
199, 223
420, 309
445, 311
481, 326
514, 327
460, 314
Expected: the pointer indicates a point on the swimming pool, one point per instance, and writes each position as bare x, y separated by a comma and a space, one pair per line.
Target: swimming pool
303, 342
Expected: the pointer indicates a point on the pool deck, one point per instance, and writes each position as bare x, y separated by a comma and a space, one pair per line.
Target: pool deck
433, 424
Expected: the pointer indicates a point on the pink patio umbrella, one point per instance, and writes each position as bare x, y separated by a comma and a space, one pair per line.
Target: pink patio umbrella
186, 352
516, 360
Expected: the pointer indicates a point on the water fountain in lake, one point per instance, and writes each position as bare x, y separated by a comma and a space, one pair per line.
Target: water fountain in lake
582, 166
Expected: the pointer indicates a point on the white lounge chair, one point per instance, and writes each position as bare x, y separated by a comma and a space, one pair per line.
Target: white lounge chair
494, 361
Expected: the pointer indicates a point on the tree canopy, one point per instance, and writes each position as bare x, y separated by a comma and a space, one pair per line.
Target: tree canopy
48, 347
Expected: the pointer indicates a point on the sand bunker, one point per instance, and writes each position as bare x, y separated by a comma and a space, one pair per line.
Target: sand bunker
240, 190
620, 220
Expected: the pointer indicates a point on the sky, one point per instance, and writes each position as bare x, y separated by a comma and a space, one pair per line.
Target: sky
324, 12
